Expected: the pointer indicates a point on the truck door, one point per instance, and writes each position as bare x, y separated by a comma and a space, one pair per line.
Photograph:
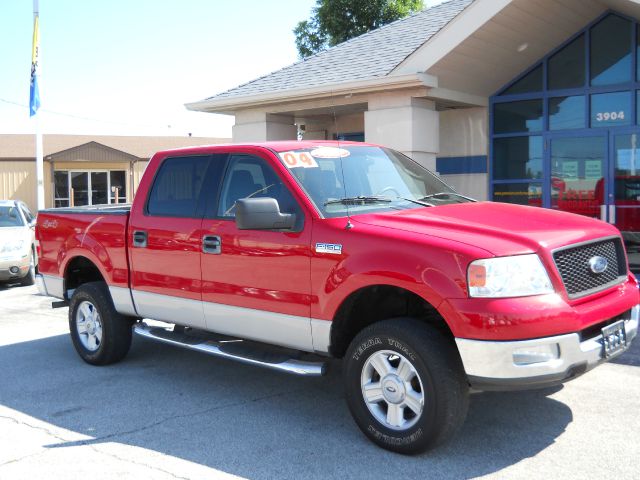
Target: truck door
165, 241
256, 283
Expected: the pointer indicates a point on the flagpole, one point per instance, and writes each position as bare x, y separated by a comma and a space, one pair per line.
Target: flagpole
39, 150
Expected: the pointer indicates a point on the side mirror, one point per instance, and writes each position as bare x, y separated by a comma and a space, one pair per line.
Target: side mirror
262, 214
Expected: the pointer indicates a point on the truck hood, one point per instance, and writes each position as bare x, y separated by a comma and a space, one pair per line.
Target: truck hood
499, 228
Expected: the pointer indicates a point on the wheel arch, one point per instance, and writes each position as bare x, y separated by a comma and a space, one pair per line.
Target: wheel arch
78, 271
375, 303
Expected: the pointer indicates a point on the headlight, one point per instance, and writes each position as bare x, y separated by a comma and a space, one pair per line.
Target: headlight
517, 276
11, 246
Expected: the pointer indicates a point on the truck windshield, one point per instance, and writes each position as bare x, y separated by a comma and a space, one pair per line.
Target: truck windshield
364, 179
10, 217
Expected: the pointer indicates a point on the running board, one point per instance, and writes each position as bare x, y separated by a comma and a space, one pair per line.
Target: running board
248, 352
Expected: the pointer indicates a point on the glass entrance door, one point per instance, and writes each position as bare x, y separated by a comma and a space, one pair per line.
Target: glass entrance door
624, 197
578, 172
89, 188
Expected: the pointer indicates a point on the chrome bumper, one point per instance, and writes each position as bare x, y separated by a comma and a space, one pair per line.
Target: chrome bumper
535, 363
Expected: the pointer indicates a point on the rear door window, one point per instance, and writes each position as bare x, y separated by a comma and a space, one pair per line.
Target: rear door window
178, 186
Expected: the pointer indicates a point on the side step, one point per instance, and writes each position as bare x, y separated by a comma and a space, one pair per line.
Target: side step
252, 353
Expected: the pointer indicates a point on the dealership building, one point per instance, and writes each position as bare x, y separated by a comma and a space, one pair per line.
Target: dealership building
81, 169
534, 102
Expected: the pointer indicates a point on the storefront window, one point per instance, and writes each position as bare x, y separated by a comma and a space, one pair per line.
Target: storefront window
519, 193
566, 68
61, 188
611, 109
611, 51
517, 158
567, 112
515, 117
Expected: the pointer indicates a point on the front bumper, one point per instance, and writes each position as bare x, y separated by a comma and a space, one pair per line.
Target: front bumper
506, 365
14, 268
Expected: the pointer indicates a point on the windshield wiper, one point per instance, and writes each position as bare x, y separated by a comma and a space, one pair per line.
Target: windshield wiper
359, 200
446, 194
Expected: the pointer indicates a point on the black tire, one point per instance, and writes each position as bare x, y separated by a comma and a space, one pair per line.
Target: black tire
114, 328
437, 377
30, 278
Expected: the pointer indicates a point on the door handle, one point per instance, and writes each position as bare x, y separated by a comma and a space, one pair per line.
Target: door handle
140, 239
211, 244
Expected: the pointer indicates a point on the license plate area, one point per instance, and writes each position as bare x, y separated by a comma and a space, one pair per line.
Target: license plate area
614, 338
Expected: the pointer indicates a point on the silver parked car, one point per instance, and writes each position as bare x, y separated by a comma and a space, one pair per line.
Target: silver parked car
18, 257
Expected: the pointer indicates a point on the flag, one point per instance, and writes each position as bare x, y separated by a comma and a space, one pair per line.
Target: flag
34, 98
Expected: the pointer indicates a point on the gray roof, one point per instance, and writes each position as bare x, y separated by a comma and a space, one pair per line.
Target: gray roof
373, 54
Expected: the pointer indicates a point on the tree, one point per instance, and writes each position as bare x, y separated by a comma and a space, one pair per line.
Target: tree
335, 21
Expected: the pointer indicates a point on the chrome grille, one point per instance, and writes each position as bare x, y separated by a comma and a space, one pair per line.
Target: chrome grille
578, 278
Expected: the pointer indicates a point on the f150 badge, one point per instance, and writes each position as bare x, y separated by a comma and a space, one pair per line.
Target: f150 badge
335, 248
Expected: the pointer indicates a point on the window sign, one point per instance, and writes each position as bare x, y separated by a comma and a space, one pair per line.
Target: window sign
592, 169
611, 109
570, 169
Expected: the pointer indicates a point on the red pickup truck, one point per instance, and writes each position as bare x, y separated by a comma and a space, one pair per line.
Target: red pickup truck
284, 254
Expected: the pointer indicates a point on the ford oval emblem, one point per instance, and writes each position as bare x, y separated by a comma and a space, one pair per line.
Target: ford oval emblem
598, 264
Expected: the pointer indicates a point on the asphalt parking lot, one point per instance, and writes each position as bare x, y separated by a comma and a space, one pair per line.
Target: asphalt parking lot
169, 413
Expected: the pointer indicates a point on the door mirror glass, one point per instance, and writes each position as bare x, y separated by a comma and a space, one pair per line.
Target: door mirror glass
262, 214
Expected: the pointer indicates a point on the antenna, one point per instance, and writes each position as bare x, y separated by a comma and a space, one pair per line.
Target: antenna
349, 225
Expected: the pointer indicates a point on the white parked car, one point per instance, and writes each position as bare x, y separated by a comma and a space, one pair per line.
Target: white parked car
18, 258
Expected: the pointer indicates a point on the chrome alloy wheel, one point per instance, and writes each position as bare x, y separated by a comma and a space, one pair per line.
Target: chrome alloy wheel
392, 390
89, 326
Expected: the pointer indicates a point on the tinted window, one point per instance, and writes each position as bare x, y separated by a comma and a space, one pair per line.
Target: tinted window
567, 112
517, 158
531, 82
519, 193
249, 176
566, 68
177, 186
611, 51
511, 117
61, 187
611, 109
118, 186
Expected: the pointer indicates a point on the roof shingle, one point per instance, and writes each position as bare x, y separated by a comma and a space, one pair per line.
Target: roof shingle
373, 54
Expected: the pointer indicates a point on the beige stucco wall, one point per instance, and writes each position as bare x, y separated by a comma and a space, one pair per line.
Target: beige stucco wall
464, 133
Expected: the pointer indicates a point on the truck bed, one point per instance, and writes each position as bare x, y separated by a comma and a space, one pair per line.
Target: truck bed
97, 233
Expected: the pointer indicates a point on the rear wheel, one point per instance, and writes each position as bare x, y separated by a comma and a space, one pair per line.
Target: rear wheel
99, 333
405, 385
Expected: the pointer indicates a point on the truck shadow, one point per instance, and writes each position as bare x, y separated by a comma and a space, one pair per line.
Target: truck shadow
252, 422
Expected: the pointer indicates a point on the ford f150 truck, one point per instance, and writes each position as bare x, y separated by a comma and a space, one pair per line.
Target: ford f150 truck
280, 254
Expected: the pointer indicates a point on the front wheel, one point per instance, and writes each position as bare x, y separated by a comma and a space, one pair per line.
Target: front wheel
405, 385
99, 333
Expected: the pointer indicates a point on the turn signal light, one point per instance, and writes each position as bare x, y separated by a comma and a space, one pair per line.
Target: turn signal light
477, 275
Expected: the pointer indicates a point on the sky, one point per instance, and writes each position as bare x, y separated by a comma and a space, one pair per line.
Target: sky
127, 67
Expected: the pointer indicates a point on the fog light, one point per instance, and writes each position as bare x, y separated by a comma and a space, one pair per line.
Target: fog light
536, 354
14, 270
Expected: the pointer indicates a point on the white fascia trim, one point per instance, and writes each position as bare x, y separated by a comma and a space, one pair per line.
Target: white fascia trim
460, 97
453, 34
229, 105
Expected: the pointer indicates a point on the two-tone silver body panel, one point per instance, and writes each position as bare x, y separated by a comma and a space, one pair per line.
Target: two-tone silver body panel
301, 333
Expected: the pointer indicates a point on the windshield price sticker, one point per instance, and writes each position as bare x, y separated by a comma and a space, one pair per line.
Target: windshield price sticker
298, 159
330, 152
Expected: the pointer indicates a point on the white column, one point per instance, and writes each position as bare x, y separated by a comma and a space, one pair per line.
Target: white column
409, 125
253, 126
